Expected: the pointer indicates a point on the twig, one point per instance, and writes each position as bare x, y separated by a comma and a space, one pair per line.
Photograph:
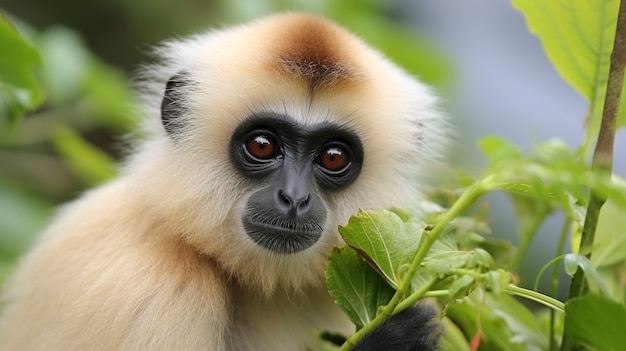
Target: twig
603, 154
602, 157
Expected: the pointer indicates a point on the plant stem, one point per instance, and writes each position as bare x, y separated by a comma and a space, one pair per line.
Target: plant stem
468, 198
543, 269
554, 284
412, 299
536, 296
602, 156
528, 235
437, 293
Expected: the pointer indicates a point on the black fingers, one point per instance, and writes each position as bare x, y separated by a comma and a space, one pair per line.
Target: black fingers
415, 329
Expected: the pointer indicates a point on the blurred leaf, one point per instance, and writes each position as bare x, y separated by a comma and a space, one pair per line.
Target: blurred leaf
502, 251
596, 284
90, 163
453, 339
460, 286
577, 36
609, 246
65, 59
108, 92
356, 287
72, 72
19, 88
609, 249
498, 150
597, 322
531, 211
496, 281
444, 261
506, 324
22, 216
551, 173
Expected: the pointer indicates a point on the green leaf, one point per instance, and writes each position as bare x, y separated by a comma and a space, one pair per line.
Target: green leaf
609, 246
505, 323
497, 281
597, 322
531, 211
596, 284
460, 286
71, 72
446, 261
453, 339
110, 96
19, 89
66, 59
498, 150
577, 36
552, 175
356, 287
502, 251
90, 163
384, 240
22, 216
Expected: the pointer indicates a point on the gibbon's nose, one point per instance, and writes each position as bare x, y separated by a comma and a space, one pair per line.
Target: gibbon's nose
293, 203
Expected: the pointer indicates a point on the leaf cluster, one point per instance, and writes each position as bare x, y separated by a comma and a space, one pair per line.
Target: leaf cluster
407, 257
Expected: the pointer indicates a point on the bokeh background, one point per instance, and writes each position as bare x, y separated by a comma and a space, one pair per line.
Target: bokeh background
491, 72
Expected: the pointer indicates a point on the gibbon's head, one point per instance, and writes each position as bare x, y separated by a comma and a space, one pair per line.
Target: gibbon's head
272, 134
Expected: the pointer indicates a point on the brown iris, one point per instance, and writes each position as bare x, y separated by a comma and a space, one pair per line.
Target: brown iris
262, 147
333, 158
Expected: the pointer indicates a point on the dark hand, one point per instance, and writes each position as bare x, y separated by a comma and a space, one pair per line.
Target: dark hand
412, 330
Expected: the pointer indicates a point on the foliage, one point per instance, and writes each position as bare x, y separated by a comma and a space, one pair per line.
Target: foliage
45, 156
586, 28
19, 89
426, 254
392, 258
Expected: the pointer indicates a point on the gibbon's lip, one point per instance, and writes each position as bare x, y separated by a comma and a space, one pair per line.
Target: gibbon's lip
285, 238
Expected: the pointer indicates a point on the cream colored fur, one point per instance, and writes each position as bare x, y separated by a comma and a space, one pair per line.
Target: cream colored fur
157, 259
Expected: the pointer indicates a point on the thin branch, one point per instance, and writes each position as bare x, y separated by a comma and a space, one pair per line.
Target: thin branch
602, 157
603, 154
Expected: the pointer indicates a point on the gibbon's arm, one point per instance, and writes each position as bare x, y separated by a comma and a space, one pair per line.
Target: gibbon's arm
259, 141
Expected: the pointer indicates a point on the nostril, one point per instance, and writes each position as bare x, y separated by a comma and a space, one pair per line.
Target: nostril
304, 201
284, 198
293, 205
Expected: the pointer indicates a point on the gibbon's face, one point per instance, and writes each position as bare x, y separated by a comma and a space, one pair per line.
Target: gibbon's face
293, 165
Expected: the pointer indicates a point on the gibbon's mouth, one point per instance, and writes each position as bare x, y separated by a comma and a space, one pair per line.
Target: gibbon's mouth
284, 237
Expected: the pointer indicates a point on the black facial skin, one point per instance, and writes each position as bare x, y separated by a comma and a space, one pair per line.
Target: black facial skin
293, 166
290, 164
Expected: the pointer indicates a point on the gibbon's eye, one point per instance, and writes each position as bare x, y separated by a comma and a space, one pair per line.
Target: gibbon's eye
334, 159
261, 147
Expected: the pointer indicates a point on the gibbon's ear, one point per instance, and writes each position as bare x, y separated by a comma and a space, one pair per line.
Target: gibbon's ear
172, 106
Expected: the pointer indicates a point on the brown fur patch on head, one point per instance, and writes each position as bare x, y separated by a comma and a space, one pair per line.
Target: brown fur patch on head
314, 50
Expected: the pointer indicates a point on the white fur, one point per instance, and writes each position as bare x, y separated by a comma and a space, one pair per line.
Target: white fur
158, 260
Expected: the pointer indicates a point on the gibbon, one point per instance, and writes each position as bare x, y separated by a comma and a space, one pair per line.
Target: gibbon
215, 234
